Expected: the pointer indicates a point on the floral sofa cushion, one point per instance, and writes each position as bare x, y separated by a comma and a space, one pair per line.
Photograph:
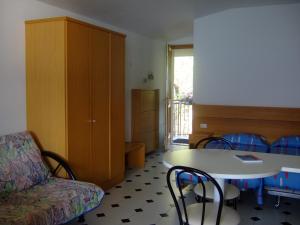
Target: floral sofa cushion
55, 201
21, 165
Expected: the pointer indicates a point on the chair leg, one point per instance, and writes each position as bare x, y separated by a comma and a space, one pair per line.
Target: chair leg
277, 205
198, 198
81, 219
232, 203
235, 203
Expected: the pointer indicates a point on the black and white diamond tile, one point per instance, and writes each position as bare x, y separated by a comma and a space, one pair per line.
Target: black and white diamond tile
143, 199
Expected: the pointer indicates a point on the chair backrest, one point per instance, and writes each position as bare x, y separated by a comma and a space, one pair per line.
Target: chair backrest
21, 165
215, 143
194, 172
289, 145
248, 142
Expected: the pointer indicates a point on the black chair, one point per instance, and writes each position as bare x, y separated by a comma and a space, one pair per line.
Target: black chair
191, 215
232, 192
225, 144
206, 141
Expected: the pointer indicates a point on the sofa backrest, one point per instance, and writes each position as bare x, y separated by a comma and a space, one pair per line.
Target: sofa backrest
248, 142
289, 145
21, 165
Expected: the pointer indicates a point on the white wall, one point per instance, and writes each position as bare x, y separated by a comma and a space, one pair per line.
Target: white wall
151, 59
143, 55
182, 41
248, 56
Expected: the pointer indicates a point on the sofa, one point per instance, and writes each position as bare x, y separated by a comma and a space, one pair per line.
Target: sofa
31, 194
285, 183
282, 184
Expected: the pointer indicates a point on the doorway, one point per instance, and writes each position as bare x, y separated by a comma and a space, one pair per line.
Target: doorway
180, 94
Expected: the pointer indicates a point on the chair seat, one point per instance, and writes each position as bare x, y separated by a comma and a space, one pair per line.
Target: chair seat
56, 201
231, 191
228, 217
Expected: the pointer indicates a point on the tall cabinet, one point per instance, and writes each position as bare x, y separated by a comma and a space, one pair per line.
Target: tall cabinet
75, 95
145, 118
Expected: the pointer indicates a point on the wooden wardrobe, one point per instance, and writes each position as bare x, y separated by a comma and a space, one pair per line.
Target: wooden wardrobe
145, 118
75, 95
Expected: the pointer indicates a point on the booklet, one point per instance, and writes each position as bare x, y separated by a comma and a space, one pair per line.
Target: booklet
248, 158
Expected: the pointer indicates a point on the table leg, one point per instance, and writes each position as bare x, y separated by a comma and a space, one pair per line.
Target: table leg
221, 182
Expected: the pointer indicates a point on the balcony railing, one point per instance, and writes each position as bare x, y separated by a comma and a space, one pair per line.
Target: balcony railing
181, 121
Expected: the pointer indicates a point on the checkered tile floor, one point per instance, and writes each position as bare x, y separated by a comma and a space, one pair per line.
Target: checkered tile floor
143, 199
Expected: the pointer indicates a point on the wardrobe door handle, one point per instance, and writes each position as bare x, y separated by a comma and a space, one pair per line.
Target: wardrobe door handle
94, 121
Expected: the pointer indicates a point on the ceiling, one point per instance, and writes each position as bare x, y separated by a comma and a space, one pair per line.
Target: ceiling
163, 19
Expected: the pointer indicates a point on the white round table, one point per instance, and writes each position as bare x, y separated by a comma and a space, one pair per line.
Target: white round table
221, 164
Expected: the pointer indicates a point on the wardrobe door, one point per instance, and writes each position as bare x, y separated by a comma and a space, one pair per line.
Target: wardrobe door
45, 69
100, 84
79, 99
117, 107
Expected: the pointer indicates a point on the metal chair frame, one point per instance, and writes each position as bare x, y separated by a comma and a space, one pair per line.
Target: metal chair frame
207, 141
62, 163
211, 139
193, 172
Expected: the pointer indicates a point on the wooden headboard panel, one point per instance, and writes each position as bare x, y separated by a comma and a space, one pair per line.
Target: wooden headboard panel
271, 122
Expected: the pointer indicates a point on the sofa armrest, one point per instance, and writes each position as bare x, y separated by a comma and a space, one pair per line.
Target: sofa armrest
61, 163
